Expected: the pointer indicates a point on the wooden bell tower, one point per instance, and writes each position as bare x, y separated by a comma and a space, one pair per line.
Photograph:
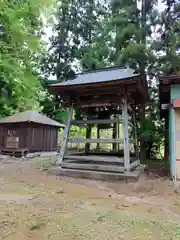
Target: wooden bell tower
107, 99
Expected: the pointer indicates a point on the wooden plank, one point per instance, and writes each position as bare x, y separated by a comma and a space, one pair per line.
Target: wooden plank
75, 153
95, 167
92, 86
97, 121
99, 104
84, 140
95, 158
126, 136
14, 149
60, 156
94, 140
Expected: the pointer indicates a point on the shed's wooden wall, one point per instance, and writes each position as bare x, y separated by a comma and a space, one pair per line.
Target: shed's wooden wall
34, 136
42, 137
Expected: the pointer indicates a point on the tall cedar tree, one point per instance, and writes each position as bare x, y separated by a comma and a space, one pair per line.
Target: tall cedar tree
169, 60
77, 43
132, 25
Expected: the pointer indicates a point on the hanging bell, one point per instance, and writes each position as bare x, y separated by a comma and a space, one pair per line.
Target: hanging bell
104, 115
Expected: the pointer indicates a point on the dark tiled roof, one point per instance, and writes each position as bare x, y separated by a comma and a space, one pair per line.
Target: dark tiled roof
31, 116
101, 75
172, 77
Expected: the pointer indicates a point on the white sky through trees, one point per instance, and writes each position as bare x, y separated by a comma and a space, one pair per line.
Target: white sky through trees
48, 28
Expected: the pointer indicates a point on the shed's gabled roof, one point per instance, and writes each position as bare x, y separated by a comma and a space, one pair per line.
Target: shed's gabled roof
101, 75
31, 116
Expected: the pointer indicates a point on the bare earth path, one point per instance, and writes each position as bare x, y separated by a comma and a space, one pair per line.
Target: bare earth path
35, 205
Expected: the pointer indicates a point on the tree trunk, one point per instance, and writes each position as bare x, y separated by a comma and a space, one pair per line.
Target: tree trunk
142, 71
142, 143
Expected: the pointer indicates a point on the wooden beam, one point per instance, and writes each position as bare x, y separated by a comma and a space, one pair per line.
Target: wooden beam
95, 167
105, 159
60, 156
93, 140
116, 90
69, 153
126, 136
92, 86
95, 121
100, 104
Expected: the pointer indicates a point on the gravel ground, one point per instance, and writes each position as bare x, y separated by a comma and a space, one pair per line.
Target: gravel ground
35, 205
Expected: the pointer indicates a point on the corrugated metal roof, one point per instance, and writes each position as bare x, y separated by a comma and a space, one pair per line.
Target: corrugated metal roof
31, 116
101, 75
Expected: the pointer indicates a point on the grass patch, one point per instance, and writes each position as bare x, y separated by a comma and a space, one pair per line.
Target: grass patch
44, 163
36, 224
160, 168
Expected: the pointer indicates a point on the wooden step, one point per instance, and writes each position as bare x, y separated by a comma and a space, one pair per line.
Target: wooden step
93, 167
96, 175
101, 159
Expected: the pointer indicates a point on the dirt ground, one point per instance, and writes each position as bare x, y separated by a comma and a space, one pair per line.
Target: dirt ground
36, 205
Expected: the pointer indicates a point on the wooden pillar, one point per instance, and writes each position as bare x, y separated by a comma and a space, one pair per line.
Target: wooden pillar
135, 137
115, 135
126, 136
118, 136
88, 135
60, 155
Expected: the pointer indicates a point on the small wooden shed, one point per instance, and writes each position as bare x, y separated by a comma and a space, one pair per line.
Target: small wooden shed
29, 131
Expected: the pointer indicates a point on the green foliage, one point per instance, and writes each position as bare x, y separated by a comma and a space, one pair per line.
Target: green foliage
19, 43
167, 44
153, 135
